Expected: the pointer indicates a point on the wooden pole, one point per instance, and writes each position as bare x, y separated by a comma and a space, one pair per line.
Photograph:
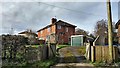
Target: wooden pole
110, 31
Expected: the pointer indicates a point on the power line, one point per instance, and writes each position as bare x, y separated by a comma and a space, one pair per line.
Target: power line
72, 10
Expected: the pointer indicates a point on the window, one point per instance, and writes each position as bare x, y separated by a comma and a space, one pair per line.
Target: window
41, 32
66, 29
49, 29
59, 27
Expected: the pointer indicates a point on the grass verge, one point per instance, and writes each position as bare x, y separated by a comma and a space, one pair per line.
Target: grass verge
37, 64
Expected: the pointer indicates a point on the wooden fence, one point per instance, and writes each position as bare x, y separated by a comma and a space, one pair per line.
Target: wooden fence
51, 50
101, 53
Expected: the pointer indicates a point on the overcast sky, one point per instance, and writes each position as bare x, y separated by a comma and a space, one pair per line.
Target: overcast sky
35, 15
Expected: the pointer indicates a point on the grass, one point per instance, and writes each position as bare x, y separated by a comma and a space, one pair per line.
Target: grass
34, 45
37, 64
82, 50
69, 57
98, 64
58, 46
42, 64
106, 64
61, 46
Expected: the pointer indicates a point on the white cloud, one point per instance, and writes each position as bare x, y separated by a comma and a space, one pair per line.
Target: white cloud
34, 15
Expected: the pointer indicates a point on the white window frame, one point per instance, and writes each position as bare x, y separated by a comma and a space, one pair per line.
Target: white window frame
48, 29
41, 32
66, 29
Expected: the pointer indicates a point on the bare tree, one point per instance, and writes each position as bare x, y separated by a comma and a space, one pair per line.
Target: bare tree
101, 32
101, 28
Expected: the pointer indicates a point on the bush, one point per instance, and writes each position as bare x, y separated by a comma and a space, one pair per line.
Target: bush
13, 49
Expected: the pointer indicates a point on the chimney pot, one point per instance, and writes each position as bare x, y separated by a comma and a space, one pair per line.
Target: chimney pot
53, 20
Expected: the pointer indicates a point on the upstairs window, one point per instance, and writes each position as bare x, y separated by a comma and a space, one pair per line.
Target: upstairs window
66, 29
49, 29
41, 32
59, 27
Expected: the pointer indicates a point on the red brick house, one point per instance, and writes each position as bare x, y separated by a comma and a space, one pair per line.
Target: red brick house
117, 26
57, 32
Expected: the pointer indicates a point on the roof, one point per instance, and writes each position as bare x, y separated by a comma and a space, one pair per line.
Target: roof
24, 32
66, 24
116, 25
45, 27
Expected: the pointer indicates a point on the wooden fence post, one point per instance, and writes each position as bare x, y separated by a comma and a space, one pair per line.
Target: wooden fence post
88, 52
93, 53
44, 52
39, 53
51, 50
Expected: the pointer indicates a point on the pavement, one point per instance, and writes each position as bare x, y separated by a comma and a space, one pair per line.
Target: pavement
72, 65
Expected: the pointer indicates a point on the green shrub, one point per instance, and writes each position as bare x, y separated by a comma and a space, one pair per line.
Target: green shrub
37, 64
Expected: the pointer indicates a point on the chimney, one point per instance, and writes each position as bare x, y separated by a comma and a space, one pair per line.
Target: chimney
53, 20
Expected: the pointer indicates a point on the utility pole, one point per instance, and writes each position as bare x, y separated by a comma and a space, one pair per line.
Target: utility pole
110, 42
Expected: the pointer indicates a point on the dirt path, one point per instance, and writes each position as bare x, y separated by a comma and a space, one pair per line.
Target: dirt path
71, 54
72, 57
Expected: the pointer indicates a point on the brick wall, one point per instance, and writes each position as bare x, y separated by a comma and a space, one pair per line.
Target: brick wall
64, 35
45, 32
